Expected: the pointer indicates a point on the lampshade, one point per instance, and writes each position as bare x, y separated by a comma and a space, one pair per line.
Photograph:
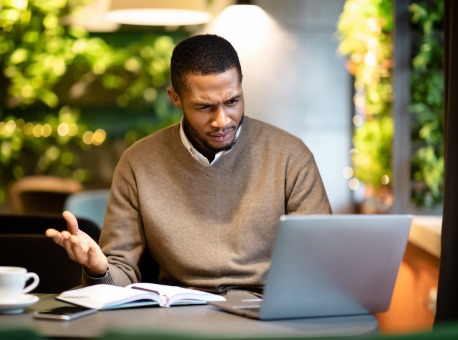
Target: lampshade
90, 17
158, 12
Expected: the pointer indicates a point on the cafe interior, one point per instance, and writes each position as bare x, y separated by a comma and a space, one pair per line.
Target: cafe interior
367, 85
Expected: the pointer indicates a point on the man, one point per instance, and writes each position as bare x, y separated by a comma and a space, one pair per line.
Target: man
203, 197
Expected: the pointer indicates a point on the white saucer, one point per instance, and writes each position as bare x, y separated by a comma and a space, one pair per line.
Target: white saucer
22, 302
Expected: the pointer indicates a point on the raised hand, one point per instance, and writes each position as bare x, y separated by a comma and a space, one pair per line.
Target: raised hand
80, 247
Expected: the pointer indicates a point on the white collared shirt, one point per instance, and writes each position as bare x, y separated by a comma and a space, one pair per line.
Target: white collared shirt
196, 154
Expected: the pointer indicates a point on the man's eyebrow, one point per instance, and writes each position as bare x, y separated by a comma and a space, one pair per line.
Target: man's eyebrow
203, 104
210, 104
234, 98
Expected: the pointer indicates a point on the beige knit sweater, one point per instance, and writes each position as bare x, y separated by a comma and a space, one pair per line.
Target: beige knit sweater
214, 227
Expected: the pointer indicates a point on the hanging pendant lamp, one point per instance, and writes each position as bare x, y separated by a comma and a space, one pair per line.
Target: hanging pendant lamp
158, 12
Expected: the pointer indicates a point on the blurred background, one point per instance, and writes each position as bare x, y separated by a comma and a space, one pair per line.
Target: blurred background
76, 90
359, 81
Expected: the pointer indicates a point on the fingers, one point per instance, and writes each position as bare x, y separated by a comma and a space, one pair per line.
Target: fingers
76, 248
80, 249
67, 243
72, 223
55, 235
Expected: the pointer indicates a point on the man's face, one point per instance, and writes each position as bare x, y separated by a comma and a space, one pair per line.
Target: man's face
213, 107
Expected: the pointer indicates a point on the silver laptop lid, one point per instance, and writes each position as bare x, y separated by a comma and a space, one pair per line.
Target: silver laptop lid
334, 265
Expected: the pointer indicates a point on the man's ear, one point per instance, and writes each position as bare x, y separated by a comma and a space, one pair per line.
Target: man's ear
174, 97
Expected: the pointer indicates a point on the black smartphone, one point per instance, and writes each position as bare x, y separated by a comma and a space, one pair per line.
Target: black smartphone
64, 313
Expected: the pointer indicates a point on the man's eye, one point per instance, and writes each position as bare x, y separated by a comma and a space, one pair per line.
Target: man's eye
204, 107
232, 102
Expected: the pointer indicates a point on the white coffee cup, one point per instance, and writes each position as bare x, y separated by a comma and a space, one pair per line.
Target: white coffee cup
12, 282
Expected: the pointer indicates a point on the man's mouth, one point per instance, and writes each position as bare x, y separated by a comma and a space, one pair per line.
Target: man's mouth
221, 136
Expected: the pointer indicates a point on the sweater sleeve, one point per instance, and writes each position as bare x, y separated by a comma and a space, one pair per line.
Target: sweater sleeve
305, 191
122, 239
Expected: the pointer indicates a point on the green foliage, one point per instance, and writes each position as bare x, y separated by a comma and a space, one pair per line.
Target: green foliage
36, 52
427, 105
364, 30
35, 49
44, 147
373, 143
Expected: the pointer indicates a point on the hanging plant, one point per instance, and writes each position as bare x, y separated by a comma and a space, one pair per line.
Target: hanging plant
427, 105
364, 30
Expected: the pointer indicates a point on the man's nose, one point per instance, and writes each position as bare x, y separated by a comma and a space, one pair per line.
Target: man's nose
221, 120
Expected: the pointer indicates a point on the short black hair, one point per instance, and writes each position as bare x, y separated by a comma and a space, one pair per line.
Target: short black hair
202, 54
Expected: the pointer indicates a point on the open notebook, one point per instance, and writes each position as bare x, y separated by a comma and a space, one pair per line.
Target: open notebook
138, 294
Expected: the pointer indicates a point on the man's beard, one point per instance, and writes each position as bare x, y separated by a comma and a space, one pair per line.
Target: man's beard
193, 132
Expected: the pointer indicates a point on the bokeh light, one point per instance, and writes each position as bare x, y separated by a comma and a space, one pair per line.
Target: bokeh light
88, 137
46, 130
53, 153
150, 94
99, 136
370, 59
11, 126
356, 58
63, 129
385, 180
6, 149
360, 101
28, 129
347, 172
72, 129
37, 130
353, 184
358, 120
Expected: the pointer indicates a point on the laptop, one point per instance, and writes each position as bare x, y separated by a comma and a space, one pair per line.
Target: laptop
330, 265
